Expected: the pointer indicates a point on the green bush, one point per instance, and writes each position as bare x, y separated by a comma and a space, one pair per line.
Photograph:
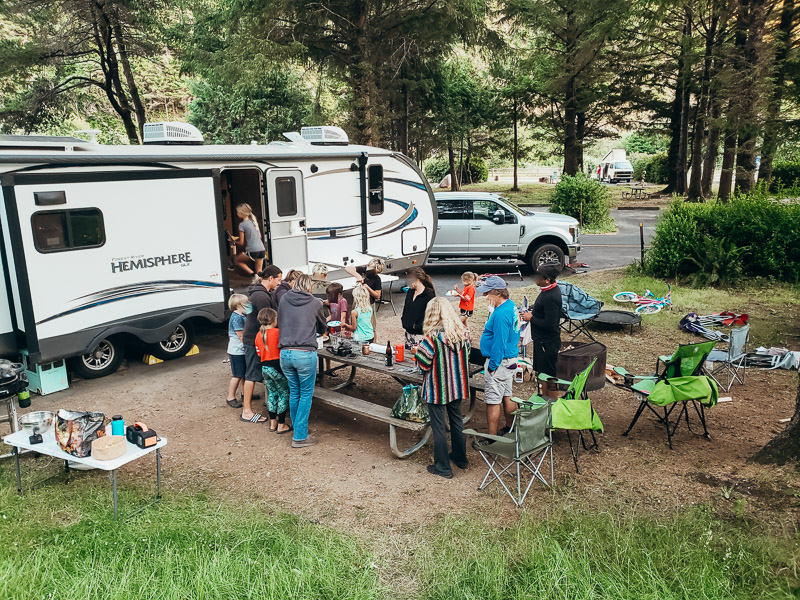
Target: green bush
754, 230
654, 164
645, 143
784, 174
436, 168
585, 199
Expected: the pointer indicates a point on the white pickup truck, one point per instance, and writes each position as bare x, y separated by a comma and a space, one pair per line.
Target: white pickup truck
484, 227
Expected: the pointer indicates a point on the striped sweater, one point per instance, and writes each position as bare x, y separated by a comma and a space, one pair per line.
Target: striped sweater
446, 374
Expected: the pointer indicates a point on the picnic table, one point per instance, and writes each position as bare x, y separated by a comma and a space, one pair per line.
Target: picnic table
405, 373
19, 441
636, 193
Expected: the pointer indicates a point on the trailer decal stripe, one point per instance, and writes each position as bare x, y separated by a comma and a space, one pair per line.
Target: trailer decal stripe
408, 217
415, 184
131, 291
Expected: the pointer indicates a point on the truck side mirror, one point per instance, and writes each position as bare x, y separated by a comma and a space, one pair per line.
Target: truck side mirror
499, 217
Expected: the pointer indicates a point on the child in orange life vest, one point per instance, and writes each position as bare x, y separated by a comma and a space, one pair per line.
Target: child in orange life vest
274, 379
467, 295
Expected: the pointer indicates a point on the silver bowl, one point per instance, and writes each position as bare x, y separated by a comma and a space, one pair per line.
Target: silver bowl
38, 421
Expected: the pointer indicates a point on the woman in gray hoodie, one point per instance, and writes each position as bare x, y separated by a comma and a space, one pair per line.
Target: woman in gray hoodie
300, 318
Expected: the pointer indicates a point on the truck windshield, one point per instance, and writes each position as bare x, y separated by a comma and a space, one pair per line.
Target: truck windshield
623, 165
513, 206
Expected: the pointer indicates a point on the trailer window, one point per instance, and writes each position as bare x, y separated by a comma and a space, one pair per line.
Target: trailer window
55, 231
376, 190
286, 196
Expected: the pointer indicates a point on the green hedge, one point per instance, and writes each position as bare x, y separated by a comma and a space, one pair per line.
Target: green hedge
654, 164
713, 242
785, 174
585, 199
436, 168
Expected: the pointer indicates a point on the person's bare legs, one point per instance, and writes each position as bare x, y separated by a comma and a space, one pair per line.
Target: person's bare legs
247, 411
508, 408
232, 387
241, 261
259, 264
493, 418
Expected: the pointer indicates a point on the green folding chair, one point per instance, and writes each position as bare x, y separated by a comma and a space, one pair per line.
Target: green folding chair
521, 452
574, 412
678, 380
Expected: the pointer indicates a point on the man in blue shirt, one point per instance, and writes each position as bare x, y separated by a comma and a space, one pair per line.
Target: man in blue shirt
499, 344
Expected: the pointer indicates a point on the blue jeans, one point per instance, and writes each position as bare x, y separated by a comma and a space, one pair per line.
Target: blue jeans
300, 369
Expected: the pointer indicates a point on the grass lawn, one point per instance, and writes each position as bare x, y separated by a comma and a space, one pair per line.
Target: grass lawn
61, 542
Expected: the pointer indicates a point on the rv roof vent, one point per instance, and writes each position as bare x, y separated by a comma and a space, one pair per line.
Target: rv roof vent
325, 136
172, 133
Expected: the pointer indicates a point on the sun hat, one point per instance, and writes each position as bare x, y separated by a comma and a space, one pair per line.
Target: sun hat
492, 283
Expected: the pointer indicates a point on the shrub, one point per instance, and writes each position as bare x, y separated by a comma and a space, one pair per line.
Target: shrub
436, 168
585, 199
645, 143
785, 174
754, 230
654, 164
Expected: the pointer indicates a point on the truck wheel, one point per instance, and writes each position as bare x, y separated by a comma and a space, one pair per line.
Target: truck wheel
176, 344
103, 360
544, 254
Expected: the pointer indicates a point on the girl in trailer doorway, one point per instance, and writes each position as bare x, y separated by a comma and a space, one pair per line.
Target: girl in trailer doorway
250, 240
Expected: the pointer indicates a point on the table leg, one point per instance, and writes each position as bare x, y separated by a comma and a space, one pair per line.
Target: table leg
158, 473
16, 465
114, 492
391, 300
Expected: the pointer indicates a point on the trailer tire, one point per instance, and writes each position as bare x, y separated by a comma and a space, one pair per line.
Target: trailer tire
176, 345
103, 360
544, 254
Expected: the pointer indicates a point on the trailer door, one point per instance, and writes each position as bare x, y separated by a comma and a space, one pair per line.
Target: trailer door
99, 253
286, 223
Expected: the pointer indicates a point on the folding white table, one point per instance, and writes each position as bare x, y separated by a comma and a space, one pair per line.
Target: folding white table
49, 447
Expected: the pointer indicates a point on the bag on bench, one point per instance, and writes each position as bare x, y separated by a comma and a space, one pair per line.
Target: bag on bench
410, 406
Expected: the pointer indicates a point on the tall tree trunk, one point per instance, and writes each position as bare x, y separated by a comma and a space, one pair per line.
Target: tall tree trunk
715, 107
580, 132
451, 156
679, 117
786, 445
749, 31
361, 76
133, 89
112, 86
404, 121
772, 126
468, 160
696, 182
515, 187
570, 131
728, 155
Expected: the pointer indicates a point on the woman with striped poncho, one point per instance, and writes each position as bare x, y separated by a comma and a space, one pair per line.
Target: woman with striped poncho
442, 357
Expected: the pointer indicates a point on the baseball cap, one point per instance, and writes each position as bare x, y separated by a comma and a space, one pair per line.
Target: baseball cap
492, 283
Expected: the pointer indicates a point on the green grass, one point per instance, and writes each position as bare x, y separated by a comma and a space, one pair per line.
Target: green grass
529, 193
62, 542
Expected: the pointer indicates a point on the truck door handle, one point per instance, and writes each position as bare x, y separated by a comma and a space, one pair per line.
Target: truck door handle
475, 227
438, 227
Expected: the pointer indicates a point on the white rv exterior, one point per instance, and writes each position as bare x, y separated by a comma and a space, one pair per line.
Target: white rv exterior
104, 243
615, 167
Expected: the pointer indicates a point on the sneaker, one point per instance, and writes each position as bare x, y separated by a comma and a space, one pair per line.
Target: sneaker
432, 470
309, 441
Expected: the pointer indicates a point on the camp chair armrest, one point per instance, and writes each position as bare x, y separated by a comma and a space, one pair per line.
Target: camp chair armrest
488, 436
533, 402
545, 377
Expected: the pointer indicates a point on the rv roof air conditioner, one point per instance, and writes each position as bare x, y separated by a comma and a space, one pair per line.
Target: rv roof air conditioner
172, 133
325, 136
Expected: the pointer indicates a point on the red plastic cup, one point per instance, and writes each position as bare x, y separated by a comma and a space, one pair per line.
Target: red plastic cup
399, 352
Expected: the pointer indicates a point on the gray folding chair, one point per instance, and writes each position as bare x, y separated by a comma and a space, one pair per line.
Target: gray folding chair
519, 453
731, 364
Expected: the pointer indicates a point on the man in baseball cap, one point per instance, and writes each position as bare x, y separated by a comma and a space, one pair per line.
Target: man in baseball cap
499, 343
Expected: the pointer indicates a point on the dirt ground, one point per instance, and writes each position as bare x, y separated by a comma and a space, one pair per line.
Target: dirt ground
352, 480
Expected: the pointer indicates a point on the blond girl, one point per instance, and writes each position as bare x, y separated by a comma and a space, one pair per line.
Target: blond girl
467, 295
250, 240
361, 316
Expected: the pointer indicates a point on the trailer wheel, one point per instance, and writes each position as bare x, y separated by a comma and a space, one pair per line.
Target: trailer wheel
176, 344
103, 360
544, 254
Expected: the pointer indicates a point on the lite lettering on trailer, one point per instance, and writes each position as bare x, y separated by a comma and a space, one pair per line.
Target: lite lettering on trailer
134, 263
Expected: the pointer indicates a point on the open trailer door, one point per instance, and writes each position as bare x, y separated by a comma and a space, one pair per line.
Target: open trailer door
286, 222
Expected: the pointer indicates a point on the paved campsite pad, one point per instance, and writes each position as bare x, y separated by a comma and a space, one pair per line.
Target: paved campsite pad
352, 479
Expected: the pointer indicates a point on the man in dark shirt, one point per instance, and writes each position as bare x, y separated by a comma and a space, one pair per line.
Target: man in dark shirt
545, 320
262, 295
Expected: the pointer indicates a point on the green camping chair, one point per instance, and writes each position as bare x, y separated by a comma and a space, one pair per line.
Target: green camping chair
574, 412
678, 380
521, 452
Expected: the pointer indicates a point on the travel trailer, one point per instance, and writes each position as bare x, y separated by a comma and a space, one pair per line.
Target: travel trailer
615, 167
105, 244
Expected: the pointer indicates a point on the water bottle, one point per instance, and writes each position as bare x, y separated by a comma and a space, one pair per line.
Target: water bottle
117, 425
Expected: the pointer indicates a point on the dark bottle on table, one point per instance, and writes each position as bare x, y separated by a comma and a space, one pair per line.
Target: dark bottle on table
389, 355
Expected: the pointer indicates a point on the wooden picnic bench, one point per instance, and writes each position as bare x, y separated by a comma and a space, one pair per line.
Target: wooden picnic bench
636, 193
404, 373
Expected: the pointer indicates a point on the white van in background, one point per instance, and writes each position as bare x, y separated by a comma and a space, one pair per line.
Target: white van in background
615, 167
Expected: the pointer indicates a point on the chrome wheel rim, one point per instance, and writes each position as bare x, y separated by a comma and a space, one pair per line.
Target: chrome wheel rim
175, 340
99, 358
548, 257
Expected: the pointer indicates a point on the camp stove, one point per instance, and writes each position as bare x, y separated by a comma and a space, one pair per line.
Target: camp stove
12, 379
